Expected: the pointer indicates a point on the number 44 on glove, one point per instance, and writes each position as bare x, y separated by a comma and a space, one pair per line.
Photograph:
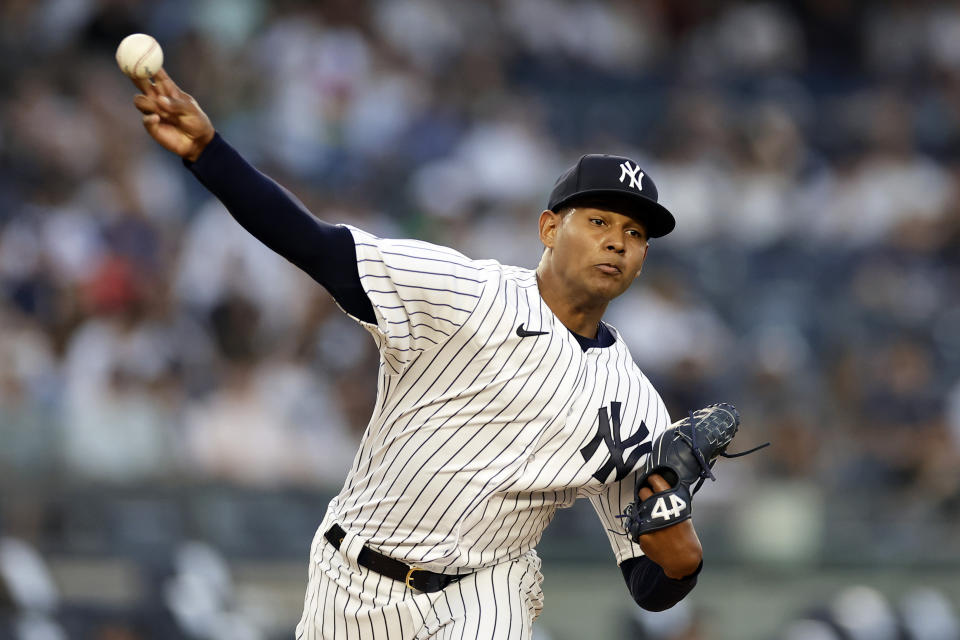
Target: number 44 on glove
683, 454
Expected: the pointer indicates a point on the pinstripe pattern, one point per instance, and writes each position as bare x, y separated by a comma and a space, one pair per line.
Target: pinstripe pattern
474, 442
345, 601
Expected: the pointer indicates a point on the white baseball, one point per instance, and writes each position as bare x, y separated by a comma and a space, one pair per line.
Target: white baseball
139, 55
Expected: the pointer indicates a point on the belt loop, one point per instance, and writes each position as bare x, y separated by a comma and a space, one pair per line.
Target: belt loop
350, 548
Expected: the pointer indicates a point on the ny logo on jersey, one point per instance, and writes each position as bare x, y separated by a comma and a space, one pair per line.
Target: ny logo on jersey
634, 173
616, 446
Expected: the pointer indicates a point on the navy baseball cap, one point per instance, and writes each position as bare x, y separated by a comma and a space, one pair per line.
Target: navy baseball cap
614, 183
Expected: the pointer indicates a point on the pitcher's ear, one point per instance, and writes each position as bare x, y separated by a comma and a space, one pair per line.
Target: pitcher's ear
549, 223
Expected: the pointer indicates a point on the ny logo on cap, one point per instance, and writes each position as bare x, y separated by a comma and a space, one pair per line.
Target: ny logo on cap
636, 176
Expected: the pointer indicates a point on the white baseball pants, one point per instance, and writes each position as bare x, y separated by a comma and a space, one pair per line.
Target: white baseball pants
345, 601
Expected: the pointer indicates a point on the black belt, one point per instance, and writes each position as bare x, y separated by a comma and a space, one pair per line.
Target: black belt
419, 579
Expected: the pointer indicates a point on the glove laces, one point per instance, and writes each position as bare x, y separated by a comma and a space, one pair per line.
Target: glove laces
706, 468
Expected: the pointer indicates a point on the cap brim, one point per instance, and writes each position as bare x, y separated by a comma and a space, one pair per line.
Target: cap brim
657, 220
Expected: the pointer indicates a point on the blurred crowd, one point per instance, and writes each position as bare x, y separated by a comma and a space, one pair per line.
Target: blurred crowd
810, 151
854, 612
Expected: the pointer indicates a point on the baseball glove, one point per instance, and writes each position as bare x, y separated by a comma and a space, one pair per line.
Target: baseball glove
683, 454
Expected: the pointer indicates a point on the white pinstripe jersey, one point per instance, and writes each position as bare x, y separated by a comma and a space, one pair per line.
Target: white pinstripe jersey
479, 434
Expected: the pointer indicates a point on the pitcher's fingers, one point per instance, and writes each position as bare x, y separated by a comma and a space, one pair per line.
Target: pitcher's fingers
166, 84
145, 86
145, 104
178, 106
161, 106
656, 481
653, 484
151, 123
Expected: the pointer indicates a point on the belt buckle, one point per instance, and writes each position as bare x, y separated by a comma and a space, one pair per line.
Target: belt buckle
409, 577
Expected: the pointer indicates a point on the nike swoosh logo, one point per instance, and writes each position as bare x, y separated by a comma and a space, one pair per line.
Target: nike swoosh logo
523, 333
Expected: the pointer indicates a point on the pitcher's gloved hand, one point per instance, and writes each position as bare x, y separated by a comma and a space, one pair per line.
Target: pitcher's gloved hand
683, 454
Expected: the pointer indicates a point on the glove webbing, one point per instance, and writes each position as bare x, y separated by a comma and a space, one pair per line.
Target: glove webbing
706, 469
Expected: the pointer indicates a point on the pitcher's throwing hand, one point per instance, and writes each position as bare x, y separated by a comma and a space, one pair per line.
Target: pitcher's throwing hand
171, 117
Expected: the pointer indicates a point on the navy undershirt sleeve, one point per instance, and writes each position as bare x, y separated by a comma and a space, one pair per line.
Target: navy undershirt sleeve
274, 216
651, 588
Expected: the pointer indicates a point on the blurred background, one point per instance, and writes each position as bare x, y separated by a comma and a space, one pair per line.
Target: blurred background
177, 404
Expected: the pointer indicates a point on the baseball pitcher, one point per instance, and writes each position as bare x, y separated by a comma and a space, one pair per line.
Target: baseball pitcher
502, 397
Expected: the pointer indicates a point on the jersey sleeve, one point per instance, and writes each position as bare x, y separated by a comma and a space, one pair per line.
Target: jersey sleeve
611, 503
421, 293
614, 498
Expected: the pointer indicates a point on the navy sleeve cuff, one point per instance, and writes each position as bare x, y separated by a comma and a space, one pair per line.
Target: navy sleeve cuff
651, 588
209, 154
